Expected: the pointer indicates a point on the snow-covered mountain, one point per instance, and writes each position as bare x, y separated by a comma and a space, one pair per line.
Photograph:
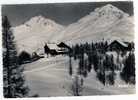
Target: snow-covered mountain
107, 22
33, 34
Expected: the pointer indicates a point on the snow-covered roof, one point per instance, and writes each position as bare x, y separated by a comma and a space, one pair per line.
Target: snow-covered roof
120, 42
124, 44
53, 46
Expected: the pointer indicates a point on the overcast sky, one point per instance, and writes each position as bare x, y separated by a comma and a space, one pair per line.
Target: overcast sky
64, 14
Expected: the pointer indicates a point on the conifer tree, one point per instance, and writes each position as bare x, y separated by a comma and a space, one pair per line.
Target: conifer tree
128, 72
13, 78
70, 66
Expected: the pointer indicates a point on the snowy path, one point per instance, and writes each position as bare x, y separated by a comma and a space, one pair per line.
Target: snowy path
41, 68
50, 77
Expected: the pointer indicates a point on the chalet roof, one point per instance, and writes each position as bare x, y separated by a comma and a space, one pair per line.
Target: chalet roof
53, 46
62, 44
120, 42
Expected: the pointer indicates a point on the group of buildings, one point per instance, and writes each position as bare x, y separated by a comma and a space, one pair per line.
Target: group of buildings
62, 48
55, 49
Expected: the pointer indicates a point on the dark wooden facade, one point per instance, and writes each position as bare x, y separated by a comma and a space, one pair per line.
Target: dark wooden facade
64, 49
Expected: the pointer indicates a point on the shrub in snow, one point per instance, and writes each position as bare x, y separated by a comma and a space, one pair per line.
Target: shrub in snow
24, 57
101, 77
110, 78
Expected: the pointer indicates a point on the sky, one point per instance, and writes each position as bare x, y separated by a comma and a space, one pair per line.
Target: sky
62, 13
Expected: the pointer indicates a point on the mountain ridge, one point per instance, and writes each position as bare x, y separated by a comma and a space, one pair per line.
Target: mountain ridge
106, 22
99, 22
35, 32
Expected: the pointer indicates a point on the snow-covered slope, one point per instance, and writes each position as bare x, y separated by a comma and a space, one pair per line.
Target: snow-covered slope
32, 35
107, 22
50, 77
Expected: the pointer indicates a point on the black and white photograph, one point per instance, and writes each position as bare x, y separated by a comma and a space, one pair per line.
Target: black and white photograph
68, 49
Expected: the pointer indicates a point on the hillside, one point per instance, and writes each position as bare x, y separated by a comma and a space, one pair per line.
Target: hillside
107, 22
33, 34
104, 23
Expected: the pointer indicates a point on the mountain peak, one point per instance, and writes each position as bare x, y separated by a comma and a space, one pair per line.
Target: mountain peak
40, 20
110, 10
109, 6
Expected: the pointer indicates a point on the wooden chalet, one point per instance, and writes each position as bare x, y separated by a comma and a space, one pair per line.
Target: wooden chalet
54, 49
51, 48
64, 49
118, 45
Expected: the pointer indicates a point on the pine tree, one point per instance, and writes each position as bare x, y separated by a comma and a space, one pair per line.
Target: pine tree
12, 73
70, 66
95, 60
128, 72
108, 65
